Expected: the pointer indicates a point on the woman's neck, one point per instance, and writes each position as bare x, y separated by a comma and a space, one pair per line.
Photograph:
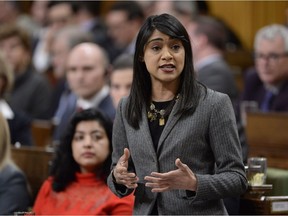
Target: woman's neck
163, 93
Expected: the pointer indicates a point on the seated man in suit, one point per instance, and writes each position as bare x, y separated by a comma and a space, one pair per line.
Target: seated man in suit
267, 83
87, 74
209, 37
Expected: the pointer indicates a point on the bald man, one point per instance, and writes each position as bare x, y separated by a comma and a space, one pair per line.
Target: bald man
87, 71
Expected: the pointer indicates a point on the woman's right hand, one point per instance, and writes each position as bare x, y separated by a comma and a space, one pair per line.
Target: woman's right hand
121, 174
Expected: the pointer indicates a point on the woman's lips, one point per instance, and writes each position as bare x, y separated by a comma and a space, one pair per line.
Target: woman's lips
88, 154
167, 68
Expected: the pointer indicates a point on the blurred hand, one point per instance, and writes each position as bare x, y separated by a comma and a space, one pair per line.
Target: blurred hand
182, 178
121, 174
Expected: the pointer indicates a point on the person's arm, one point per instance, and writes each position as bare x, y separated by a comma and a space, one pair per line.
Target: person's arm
120, 142
229, 178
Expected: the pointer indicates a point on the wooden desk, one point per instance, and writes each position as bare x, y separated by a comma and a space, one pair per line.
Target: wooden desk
267, 136
256, 202
35, 163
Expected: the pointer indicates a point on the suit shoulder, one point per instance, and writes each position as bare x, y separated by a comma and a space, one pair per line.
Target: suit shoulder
11, 172
215, 95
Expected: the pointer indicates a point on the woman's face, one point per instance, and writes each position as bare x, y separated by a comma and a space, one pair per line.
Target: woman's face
90, 145
164, 58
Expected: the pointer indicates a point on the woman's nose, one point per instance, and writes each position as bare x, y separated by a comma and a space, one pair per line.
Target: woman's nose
87, 141
166, 54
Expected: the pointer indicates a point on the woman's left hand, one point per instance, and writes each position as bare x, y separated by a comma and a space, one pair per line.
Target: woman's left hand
181, 178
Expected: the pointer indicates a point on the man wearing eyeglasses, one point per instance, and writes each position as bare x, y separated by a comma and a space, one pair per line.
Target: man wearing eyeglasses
267, 82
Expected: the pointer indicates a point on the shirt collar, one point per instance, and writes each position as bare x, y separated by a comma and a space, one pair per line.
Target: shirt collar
94, 101
274, 88
6, 110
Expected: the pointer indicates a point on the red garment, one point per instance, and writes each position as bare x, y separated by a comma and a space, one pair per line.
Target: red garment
85, 196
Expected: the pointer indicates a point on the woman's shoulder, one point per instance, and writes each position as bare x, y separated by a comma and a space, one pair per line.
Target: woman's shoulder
10, 172
211, 98
123, 103
212, 95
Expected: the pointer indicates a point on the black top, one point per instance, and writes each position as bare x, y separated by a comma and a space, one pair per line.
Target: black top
155, 128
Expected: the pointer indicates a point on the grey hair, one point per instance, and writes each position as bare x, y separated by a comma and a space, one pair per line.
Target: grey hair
270, 32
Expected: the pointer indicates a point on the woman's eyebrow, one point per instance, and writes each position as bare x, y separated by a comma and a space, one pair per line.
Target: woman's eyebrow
154, 39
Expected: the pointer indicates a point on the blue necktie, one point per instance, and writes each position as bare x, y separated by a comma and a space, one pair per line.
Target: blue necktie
265, 106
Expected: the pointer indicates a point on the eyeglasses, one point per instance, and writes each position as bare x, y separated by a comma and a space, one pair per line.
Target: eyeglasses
271, 57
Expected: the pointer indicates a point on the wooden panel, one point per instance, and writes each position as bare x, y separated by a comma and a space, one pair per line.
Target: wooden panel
267, 136
35, 163
246, 17
42, 131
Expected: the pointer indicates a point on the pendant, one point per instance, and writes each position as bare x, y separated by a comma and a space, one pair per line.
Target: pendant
151, 116
161, 121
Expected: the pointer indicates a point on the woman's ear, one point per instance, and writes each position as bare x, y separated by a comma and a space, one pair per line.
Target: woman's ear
141, 58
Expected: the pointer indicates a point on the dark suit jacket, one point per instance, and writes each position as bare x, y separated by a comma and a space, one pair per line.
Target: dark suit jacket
32, 95
219, 76
106, 106
14, 193
20, 129
206, 141
254, 90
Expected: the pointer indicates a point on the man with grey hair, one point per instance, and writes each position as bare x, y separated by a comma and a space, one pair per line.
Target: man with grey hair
267, 82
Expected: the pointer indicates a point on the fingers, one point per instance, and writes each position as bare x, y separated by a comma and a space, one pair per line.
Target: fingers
131, 181
123, 161
121, 174
180, 165
128, 179
157, 184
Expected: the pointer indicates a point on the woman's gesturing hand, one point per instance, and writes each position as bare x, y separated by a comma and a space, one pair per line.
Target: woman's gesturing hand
181, 178
121, 174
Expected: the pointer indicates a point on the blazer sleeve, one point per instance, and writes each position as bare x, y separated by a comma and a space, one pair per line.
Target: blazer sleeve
229, 178
119, 142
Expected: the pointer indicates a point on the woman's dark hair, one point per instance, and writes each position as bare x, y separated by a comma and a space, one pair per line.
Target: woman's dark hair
64, 166
141, 86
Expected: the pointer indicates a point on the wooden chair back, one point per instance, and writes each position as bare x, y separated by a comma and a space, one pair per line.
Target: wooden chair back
42, 132
35, 162
267, 136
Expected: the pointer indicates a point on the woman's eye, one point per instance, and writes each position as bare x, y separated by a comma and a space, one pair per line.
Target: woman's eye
96, 137
78, 137
176, 47
156, 48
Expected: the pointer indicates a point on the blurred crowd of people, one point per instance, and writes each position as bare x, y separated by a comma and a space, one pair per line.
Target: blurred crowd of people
67, 56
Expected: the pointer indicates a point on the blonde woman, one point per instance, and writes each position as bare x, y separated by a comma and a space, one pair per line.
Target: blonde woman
14, 193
